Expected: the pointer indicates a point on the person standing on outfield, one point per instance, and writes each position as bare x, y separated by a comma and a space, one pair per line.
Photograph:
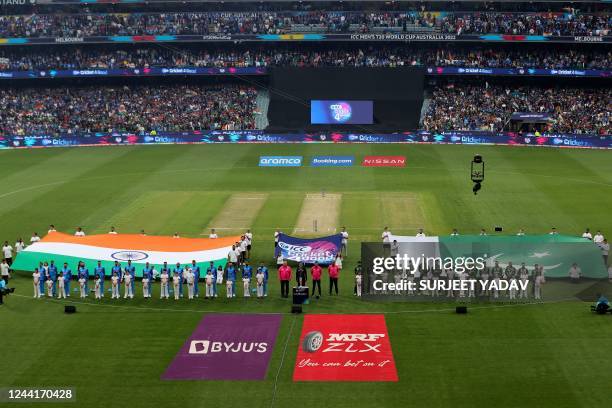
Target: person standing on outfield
213, 271
357, 272
7, 252
100, 274
117, 270
229, 289
537, 285
264, 269
231, 277
277, 233
259, 278
213, 234
98, 286
53, 274
219, 276
130, 269
284, 274
345, 237
190, 278
338, 261
241, 248
147, 280
127, 280
82, 287
316, 272
247, 274
176, 283
249, 241
180, 272
524, 277
334, 273
196, 278
232, 255
19, 246
301, 275
44, 271
146, 283
280, 259
83, 272
115, 286
210, 283
36, 283
164, 278
386, 240
605, 250
61, 286
358, 284
49, 284
67, 272
4, 272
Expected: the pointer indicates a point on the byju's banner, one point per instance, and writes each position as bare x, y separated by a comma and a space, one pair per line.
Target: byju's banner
322, 250
344, 348
227, 347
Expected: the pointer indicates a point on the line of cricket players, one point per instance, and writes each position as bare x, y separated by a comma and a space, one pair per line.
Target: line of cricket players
179, 280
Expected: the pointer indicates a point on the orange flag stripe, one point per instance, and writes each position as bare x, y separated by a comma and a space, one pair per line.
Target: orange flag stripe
143, 242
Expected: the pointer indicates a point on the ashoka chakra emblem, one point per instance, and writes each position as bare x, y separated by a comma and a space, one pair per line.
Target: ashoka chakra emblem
129, 256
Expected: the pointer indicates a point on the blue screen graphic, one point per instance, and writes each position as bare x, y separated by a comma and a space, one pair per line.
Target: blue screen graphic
341, 112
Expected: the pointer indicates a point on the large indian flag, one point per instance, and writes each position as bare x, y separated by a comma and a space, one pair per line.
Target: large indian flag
109, 248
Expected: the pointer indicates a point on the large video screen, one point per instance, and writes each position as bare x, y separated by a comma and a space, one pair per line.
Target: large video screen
325, 112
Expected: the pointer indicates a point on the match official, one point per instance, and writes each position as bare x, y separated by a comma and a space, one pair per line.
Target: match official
284, 275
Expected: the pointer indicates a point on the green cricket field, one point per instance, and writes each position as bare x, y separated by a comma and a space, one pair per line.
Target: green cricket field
113, 352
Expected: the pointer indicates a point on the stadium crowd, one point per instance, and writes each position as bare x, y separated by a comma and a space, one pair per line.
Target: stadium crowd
277, 22
125, 108
61, 111
85, 58
555, 24
489, 107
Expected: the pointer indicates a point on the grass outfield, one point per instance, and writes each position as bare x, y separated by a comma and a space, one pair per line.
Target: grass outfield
546, 355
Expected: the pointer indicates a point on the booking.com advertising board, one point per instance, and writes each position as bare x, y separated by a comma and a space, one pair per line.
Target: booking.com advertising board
259, 136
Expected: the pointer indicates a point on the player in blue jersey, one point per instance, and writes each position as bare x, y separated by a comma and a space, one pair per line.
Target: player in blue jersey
100, 273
